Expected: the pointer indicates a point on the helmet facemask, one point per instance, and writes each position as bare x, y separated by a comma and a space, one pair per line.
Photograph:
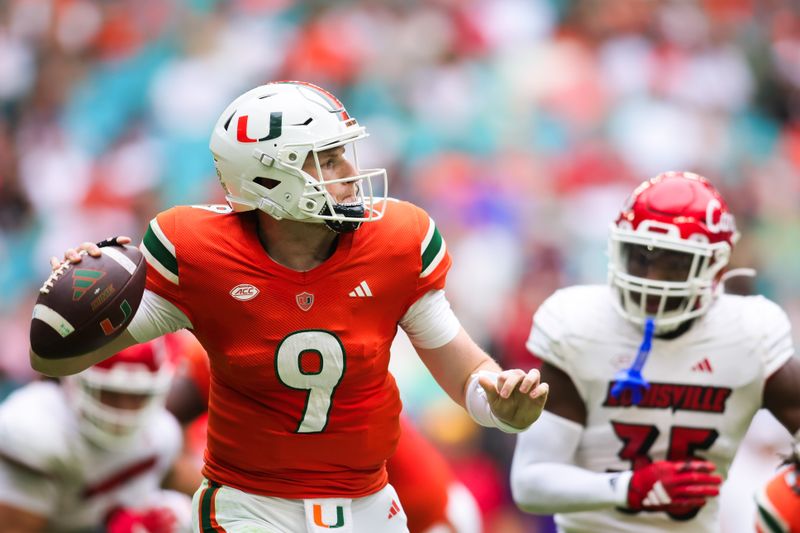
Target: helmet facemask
669, 280
668, 250
348, 215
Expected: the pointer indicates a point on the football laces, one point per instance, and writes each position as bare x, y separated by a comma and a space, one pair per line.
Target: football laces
55, 274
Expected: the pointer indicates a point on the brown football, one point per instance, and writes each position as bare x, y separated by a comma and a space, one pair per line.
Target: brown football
83, 306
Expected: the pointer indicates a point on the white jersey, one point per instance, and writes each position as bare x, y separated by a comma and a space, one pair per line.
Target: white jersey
705, 387
66, 478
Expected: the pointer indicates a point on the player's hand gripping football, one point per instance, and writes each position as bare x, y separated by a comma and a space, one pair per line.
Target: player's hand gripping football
517, 398
672, 486
73, 255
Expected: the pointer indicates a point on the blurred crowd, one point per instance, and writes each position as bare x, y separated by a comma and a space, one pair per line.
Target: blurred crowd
520, 125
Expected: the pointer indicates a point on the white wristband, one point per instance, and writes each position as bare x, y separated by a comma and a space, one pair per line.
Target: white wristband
478, 404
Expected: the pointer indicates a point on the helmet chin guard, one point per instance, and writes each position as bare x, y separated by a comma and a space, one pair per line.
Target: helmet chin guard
264, 137
349, 212
680, 221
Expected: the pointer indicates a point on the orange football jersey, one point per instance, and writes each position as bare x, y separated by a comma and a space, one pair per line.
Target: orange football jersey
301, 401
778, 503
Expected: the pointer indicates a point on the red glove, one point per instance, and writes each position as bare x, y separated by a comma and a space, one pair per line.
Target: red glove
672, 486
153, 520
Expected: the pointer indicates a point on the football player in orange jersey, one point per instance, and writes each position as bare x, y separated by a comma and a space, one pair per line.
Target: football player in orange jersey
296, 289
433, 499
778, 502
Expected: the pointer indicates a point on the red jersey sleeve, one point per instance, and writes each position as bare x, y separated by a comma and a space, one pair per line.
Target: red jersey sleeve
159, 247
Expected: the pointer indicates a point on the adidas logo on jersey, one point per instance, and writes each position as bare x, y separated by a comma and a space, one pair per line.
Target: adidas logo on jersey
361, 291
703, 366
394, 509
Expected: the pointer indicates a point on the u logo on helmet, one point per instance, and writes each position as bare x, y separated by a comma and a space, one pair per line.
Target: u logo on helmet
275, 128
726, 222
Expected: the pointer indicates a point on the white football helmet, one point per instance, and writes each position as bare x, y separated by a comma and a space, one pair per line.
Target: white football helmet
676, 223
116, 398
262, 140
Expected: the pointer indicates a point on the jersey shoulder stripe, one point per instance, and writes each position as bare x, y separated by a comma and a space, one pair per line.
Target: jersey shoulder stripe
159, 252
433, 249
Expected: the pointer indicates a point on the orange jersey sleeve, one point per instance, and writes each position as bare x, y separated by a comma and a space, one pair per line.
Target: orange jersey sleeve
435, 260
301, 403
163, 272
778, 503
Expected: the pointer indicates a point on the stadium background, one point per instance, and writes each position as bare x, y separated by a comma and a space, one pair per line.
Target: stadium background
520, 125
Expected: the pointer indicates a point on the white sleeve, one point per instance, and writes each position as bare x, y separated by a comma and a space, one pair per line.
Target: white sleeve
777, 346
544, 480
25, 489
430, 322
548, 331
156, 316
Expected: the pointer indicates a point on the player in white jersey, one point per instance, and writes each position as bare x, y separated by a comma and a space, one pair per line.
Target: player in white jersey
640, 443
90, 453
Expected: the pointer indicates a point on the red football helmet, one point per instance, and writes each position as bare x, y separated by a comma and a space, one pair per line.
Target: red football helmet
115, 398
668, 249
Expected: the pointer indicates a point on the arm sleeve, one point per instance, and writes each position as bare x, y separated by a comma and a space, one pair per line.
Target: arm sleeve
777, 346
156, 316
434, 258
160, 250
544, 481
430, 321
26, 489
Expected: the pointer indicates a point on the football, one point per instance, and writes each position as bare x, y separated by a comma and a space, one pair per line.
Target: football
83, 306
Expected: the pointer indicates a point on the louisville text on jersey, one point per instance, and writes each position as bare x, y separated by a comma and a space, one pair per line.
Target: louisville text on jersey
674, 396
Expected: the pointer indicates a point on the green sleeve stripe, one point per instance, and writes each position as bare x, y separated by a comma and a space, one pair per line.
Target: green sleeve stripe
433, 250
159, 252
772, 523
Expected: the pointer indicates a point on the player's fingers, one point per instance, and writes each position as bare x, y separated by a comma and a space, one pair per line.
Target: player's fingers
489, 388
690, 491
54, 262
687, 502
113, 241
508, 381
697, 466
90, 248
72, 255
530, 381
540, 392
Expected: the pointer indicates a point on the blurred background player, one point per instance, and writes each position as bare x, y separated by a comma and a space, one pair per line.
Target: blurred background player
92, 452
778, 502
605, 461
433, 499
